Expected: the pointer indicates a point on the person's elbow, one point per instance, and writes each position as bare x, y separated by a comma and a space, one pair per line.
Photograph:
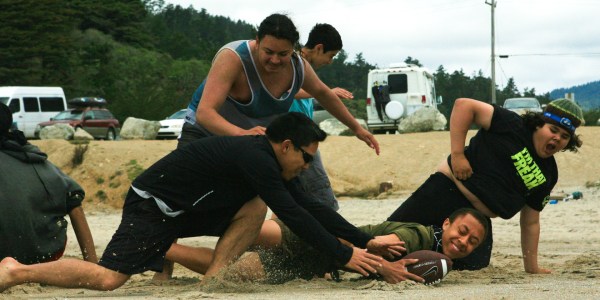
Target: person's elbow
203, 114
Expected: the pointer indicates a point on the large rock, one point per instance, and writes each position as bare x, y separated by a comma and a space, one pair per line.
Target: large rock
335, 127
57, 131
82, 135
424, 119
139, 129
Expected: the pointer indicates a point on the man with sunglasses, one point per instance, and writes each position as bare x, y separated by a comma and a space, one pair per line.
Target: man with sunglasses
214, 187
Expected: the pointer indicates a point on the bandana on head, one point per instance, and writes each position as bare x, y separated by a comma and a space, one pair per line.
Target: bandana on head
564, 113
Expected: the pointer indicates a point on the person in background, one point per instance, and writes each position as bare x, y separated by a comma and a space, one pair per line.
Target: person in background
35, 196
508, 167
323, 44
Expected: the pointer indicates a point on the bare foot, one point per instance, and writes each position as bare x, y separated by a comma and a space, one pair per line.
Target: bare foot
167, 272
161, 276
7, 266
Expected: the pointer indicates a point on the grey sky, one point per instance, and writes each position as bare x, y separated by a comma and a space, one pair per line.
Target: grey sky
552, 43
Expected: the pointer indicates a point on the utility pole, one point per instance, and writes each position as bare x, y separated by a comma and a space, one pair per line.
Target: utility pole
493, 57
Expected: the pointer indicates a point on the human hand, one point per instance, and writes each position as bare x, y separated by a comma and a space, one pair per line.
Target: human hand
258, 130
461, 168
368, 138
388, 246
342, 93
363, 262
394, 272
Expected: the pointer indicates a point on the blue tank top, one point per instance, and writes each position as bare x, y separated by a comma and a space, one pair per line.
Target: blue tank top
263, 107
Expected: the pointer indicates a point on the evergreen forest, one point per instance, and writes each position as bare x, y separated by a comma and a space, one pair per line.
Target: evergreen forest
147, 58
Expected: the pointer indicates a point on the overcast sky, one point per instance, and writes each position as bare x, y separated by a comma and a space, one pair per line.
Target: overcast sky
550, 43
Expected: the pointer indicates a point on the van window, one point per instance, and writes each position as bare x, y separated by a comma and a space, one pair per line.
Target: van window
15, 105
4, 100
31, 104
398, 83
52, 104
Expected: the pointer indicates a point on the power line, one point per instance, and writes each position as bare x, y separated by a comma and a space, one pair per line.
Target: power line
550, 54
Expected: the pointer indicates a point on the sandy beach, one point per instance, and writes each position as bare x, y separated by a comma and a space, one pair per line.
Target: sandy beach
569, 243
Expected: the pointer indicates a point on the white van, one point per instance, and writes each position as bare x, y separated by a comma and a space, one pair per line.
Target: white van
397, 92
31, 105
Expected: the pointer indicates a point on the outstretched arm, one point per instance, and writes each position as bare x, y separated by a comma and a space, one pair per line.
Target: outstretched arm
530, 237
338, 91
83, 234
330, 101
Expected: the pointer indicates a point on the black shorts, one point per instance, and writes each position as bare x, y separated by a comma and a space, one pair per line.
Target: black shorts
190, 133
145, 234
432, 203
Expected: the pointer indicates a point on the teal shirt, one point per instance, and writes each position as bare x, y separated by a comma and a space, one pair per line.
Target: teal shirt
304, 106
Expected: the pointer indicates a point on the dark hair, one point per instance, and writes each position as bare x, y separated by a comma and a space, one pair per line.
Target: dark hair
326, 35
5, 119
534, 120
6, 130
297, 127
279, 26
479, 216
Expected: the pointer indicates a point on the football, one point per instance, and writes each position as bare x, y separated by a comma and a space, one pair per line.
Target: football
432, 266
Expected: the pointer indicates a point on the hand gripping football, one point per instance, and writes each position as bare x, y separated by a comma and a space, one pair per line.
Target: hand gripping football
432, 266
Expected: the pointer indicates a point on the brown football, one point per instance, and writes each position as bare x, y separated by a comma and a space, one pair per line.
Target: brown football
432, 266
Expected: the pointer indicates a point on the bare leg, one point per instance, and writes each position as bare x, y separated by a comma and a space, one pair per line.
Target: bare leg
199, 259
270, 235
68, 273
247, 268
167, 271
241, 233
195, 259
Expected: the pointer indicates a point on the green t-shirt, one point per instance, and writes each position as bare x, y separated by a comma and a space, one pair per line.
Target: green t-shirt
415, 236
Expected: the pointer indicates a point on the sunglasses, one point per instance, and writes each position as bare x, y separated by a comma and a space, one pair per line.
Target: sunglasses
307, 157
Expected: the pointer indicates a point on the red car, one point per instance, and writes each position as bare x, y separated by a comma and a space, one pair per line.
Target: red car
97, 121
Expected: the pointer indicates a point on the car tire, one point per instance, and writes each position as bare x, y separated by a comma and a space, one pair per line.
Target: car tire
110, 135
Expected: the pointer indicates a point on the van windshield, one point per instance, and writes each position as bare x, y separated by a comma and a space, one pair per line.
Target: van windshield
68, 115
521, 103
4, 100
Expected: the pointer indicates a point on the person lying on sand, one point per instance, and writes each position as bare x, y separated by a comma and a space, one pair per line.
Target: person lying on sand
289, 257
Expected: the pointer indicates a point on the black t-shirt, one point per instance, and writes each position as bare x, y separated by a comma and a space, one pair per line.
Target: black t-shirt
221, 173
507, 172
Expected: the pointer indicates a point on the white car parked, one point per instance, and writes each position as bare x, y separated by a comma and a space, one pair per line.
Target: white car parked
170, 128
523, 105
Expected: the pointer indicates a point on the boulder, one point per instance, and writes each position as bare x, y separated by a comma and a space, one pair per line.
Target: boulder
335, 127
82, 135
424, 119
57, 131
139, 129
